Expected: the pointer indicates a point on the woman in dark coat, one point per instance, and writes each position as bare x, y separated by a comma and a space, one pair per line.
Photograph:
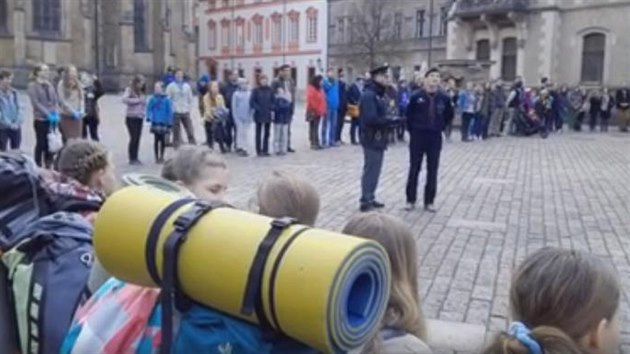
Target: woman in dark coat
262, 102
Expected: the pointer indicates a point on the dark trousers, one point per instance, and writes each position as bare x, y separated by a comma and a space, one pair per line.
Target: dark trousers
354, 131
215, 132
605, 118
262, 137
372, 166
313, 132
592, 123
422, 143
467, 118
134, 127
42, 156
10, 138
229, 132
159, 145
90, 126
484, 125
341, 120
183, 119
400, 129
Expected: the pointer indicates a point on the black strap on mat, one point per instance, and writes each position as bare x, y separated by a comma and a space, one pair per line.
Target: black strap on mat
154, 235
170, 295
252, 299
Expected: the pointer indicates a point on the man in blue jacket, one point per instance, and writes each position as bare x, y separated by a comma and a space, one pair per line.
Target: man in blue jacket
427, 114
374, 129
329, 124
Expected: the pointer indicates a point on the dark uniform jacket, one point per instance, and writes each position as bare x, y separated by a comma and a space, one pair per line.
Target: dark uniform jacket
373, 116
428, 111
262, 102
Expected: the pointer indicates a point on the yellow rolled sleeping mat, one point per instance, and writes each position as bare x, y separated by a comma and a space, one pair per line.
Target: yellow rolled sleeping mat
319, 287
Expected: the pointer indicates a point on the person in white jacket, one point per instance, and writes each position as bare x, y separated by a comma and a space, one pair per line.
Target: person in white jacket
181, 97
243, 116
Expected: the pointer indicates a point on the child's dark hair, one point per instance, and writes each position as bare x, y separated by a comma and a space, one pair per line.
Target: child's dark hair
558, 297
79, 159
5, 74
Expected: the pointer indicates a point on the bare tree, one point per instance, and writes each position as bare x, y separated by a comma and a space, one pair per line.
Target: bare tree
370, 28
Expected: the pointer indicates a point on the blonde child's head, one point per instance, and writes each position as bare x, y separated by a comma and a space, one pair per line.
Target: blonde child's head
404, 311
199, 170
283, 194
563, 302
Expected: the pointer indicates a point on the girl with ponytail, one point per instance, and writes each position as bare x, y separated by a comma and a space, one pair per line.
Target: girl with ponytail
563, 302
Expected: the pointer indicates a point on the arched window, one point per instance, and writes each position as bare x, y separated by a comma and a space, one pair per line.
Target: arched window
139, 26
593, 51
483, 50
276, 31
47, 17
508, 59
212, 35
4, 16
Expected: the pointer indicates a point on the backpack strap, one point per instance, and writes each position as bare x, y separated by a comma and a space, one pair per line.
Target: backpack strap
252, 299
170, 295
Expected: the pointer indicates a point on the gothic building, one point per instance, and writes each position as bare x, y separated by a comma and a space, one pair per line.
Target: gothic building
114, 39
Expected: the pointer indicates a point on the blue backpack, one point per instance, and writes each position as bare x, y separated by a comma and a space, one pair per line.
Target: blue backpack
47, 275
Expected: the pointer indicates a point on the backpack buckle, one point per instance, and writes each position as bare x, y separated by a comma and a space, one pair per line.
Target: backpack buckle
284, 222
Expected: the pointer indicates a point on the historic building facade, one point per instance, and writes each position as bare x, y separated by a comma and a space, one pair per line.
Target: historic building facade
115, 39
258, 36
573, 42
410, 35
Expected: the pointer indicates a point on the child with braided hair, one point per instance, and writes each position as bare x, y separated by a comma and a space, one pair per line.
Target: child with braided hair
88, 163
564, 302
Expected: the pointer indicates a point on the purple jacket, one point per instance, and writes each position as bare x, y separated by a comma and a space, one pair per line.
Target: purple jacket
136, 105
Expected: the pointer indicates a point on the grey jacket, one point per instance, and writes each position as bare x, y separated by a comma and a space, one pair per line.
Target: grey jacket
241, 109
44, 99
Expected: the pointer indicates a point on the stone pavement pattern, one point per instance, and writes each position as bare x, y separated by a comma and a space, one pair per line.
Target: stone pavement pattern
498, 201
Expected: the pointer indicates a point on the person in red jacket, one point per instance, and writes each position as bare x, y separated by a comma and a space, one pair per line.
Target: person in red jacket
315, 109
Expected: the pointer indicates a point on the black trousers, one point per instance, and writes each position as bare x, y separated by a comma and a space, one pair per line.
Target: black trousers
422, 143
134, 127
372, 166
10, 138
215, 132
262, 137
313, 132
159, 145
90, 126
229, 135
592, 123
466, 120
42, 156
341, 120
354, 131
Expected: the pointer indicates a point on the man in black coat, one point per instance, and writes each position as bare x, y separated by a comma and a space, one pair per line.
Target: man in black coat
227, 91
262, 103
374, 128
428, 112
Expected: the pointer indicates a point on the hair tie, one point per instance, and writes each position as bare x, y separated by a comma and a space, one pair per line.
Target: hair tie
523, 334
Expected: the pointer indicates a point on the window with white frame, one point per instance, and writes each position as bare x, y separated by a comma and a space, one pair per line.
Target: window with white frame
276, 29
294, 29
212, 35
311, 25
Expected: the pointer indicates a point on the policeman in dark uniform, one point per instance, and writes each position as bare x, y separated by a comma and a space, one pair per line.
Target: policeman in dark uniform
374, 128
428, 112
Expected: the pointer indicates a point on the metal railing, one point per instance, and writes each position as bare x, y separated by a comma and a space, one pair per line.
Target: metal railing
478, 7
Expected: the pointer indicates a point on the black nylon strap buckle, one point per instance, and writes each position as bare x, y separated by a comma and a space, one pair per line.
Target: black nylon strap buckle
252, 299
170, 284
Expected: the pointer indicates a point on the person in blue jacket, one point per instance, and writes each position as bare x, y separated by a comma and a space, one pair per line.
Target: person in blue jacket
428, 112
329, 125
160, 115
404, 93
202, 89
374, 130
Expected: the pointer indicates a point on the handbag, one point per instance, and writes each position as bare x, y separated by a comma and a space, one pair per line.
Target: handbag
55, 142
353, 111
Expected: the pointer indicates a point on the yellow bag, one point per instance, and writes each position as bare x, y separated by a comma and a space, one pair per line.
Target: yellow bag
353, 111
319, 287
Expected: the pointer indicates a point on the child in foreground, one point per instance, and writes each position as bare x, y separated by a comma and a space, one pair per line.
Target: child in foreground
403, 329
203, 173
284, 194
563, 302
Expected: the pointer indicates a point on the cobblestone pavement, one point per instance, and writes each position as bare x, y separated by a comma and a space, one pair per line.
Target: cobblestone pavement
498, 201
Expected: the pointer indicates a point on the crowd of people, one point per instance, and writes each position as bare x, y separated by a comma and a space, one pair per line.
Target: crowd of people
583, 289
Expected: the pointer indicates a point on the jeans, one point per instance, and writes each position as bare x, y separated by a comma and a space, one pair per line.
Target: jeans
90, 125
593, 120
605, 118
467, 119
427, 143
43, 157
179, 120
329, 127
10, 138
313, 132
372, 166
510, 126
280, 138
134, 127
354, 131
242, 135
262, 138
